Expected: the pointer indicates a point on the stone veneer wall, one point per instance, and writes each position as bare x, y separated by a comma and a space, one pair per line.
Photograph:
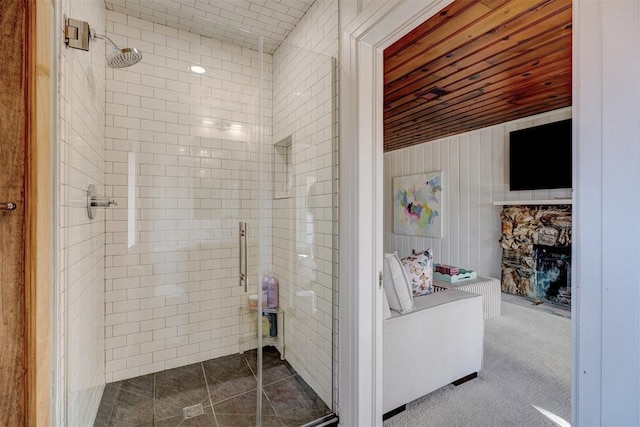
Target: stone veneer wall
522, 228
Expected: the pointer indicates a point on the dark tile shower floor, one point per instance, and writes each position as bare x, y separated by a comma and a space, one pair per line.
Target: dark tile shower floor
226, 389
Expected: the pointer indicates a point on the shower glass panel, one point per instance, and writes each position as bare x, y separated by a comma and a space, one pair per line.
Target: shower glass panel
304, 218
183, 246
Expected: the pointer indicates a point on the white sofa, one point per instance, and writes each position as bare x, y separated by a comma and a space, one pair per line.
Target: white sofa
438, 343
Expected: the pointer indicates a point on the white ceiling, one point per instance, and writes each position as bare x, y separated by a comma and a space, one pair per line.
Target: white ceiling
234, 21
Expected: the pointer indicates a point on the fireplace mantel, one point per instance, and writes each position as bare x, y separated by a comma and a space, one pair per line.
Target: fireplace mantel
532, 202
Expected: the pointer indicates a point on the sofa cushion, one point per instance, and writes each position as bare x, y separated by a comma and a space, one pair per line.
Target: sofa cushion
396, 284
425, 302
419, 268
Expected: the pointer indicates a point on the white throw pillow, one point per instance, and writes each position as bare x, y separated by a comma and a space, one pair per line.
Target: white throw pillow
396, 284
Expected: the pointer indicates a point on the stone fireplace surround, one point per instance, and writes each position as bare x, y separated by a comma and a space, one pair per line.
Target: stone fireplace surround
536, 252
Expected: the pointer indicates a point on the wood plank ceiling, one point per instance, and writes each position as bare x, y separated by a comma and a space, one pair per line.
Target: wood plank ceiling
474, 64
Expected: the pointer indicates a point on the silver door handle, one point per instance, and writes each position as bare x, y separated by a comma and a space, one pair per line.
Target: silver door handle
7, 206
242, 255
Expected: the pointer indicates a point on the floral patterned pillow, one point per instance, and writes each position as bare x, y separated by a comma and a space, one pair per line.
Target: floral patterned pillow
419, 268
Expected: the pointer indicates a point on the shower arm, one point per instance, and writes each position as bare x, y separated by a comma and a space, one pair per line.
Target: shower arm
95, 35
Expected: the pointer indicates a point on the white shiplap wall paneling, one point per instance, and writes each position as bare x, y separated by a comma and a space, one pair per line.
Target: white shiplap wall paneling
475, 166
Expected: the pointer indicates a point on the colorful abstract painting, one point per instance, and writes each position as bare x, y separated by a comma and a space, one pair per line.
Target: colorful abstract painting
417, 204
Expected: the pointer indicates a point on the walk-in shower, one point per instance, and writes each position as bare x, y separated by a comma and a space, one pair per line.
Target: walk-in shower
202, 134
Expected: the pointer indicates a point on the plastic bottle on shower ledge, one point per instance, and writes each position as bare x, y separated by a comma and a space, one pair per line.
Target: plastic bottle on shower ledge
266, 326
265, 286
273, 320
272, 292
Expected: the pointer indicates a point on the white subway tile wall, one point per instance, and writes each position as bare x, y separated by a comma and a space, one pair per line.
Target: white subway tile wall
303, 225
183, 162
81, 241
475, 175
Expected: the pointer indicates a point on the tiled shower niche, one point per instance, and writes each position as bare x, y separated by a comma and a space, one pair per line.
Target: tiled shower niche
282, 169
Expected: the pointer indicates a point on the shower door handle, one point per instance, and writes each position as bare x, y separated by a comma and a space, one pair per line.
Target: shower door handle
242, 255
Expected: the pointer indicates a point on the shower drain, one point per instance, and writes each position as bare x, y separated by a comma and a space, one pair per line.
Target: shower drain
192, 411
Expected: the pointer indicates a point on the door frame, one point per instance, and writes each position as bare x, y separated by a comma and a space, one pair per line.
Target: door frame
368, 29
39, 40
362, 41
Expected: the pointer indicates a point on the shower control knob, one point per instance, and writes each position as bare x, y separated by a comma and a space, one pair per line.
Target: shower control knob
95, 201
7, 206
102, 202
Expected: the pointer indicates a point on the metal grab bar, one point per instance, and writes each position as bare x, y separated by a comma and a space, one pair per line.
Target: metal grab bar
242, 242
7, 206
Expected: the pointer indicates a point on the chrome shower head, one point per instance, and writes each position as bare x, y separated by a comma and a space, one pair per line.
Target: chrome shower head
124, 57
119, 57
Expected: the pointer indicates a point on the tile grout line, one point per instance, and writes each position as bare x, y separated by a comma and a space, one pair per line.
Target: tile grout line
113, 408
153, 399
206, 383
133, 392
285, 378
263, 385
235, 395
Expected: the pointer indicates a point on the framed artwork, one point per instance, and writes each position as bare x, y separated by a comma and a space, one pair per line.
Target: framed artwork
417, 204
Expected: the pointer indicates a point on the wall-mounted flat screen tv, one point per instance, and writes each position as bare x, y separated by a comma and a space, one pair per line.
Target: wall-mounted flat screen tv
540, 157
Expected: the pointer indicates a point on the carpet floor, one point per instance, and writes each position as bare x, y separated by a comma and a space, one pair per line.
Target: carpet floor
527, 364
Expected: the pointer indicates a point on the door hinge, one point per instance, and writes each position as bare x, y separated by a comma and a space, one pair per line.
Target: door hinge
380, 279
76, 34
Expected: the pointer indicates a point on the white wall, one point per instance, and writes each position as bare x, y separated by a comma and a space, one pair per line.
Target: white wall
475, 166
304, 89
606, 156
183, 180
81, 161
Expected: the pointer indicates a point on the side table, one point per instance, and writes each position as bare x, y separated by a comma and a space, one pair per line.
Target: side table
488, 287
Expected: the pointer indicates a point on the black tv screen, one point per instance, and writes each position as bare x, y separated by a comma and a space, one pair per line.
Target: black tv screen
540, 157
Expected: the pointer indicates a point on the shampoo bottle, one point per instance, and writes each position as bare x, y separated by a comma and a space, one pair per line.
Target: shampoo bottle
273, 321
272, 292
265, 287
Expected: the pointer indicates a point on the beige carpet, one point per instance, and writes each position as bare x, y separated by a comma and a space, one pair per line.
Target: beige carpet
527, 360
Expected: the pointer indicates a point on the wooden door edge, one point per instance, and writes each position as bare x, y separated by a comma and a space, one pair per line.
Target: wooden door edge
38, 33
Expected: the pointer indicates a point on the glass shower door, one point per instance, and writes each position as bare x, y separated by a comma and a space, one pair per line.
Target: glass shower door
182, 159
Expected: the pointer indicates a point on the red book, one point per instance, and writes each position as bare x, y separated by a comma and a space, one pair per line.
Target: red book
448, 269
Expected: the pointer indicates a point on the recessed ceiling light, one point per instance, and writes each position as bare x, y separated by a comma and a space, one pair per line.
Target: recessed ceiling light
198, 69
